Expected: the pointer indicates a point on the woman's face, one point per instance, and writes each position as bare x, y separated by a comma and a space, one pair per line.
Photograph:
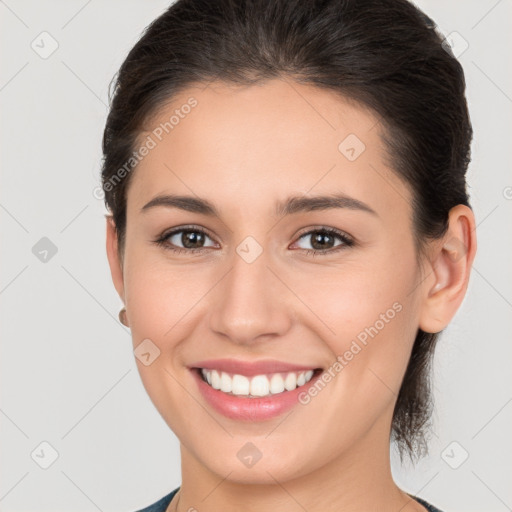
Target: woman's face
266, 283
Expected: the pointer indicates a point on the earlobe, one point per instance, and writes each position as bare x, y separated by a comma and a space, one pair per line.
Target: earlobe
450, 270
116, 267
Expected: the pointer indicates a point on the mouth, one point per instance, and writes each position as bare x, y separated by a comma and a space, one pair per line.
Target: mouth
256, 386
252, 391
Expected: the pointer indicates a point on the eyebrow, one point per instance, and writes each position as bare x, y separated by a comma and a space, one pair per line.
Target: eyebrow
292, 205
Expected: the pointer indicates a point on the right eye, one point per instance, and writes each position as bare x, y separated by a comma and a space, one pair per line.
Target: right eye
191, 238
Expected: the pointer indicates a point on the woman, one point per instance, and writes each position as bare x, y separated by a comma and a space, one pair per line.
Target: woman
290, 231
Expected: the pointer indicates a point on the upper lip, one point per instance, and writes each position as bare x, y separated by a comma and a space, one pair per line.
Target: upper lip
249, 369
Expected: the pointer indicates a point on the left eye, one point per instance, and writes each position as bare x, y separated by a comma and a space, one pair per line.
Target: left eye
322, 240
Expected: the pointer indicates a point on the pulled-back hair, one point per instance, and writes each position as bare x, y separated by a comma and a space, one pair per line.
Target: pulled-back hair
384, 54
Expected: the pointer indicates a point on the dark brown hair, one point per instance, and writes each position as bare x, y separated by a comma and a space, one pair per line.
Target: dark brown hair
384, 54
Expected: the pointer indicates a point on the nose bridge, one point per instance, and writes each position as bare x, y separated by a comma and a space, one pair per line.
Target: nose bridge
249, 301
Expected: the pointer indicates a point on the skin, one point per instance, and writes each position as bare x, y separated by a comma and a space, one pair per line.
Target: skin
243, 149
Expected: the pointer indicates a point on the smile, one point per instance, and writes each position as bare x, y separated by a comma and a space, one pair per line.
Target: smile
257, 386
252, 390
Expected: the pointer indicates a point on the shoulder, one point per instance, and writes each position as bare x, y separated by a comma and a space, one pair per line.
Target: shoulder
427, 505
160, 505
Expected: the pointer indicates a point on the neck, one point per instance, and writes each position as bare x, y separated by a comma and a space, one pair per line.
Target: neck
358, 479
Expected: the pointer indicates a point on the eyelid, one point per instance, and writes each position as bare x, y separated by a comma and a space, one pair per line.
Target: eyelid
186, 227
339, 232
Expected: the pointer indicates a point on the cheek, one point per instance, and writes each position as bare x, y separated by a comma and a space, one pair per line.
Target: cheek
160, 300
367, 316
347, 299
159, 293
166, 304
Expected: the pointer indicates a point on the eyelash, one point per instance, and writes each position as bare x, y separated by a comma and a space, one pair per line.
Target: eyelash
162, 241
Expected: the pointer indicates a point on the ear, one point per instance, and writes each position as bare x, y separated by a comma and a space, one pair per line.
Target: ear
451, 260
115, 263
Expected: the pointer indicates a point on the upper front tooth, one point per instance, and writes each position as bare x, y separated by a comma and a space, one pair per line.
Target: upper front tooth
240, 385
260, 385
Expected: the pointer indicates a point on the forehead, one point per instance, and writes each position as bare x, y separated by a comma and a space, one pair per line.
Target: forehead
249, 145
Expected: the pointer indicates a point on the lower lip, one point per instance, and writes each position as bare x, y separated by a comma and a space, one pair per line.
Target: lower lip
250, 409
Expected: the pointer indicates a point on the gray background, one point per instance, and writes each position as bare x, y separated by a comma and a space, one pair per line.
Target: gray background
68, 373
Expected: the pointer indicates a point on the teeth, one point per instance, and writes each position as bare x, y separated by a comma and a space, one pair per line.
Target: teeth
215, 379
225, 383
260, 386
239, 384
257, 386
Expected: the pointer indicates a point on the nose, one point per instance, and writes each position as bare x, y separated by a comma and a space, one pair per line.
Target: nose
251, 303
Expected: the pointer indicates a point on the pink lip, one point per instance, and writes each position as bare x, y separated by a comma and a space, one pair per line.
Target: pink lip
250, 409
250, 369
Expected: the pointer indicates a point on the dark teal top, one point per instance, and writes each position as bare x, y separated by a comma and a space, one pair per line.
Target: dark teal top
163, 503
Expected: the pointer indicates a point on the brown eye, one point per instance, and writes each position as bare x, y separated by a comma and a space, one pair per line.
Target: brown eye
184, 239
323, 241
192, 239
